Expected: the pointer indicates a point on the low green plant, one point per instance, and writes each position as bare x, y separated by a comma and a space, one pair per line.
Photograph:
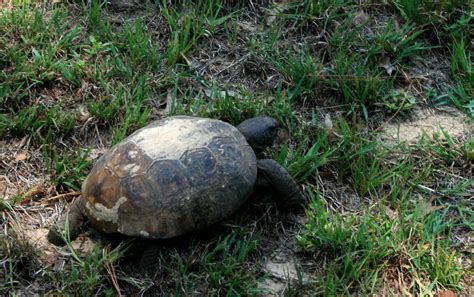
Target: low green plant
399, 44
104, 110
89, 275
303, 161
353, 74
468, 149
36, 51
67, 170
301, 12
399, 101
360, 85
233, 106
443, 147
361, 161
133, 107
96, 23
462, 93
461, 65
434, 13
224, 263
137, 43
300, 69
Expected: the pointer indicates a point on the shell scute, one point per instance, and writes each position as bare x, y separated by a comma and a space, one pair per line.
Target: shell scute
128, 159
201, 164
140, 194
168, 178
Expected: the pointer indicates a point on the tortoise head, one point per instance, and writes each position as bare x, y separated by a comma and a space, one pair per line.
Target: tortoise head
260, 131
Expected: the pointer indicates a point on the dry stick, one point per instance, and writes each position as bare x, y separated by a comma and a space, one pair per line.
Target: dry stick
425, 188
98, 135
111, 271
233, 64
63, 195
451, 174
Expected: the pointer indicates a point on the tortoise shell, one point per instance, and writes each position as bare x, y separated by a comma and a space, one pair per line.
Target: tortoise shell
173, 176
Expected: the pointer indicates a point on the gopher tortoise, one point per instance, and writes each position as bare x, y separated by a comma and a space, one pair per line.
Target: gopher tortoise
177, 175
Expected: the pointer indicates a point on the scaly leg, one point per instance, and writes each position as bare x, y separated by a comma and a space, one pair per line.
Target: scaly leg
274, 178
73, 220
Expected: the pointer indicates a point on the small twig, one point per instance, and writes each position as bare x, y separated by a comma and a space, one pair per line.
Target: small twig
113, 277
432, 191
98, 135
57, 197
451, 174
233, 64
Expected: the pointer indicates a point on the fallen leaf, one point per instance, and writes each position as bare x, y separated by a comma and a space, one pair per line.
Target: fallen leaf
390, 213
20, 157
360, 18
247, 26
82, 114
387, 64
188, 61
447, 293
170, 101
270, 19
328, 122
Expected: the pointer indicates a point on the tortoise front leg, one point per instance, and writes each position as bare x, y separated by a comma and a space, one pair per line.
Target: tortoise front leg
273, 177
74, 221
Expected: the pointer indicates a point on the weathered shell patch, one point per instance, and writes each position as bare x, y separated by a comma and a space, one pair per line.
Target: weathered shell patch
127, 159
170, 138
103, 213
102, 186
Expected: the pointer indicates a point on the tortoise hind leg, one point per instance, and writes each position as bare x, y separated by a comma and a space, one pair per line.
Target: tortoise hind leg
273, 177
73, 220
149, 256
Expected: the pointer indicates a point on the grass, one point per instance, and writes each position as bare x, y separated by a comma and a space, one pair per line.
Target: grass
67, 170
350, 63
42, 123
362, 247
219, 268
77, 78
186, 28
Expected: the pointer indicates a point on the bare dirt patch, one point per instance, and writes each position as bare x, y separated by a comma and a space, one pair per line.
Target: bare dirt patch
428, 121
